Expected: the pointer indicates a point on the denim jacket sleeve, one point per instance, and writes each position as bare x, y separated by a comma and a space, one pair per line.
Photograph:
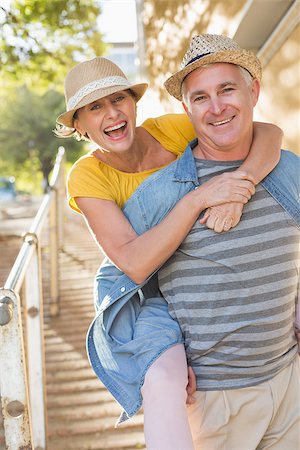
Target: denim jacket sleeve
148, 205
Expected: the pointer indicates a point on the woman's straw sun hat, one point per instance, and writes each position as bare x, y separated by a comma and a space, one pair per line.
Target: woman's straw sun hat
208, 49
91, 80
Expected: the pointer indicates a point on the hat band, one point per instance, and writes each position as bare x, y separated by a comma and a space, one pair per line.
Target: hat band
198, 57
93, 86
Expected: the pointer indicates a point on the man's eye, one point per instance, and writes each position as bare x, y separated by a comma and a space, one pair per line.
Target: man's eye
228, 89
199, 98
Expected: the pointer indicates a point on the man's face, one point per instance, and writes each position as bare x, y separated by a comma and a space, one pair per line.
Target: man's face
219, 102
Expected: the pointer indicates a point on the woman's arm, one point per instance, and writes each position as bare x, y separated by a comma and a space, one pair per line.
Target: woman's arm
263, 157
139, 256
265, 151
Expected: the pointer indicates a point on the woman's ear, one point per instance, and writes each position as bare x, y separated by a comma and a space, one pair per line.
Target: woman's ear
78, 127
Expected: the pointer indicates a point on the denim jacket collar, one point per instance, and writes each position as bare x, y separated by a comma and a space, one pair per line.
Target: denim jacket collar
186, 169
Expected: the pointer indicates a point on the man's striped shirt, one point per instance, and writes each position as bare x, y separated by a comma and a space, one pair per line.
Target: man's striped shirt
234, 293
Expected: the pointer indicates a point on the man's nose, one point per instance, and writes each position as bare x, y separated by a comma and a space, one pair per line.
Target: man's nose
216, 105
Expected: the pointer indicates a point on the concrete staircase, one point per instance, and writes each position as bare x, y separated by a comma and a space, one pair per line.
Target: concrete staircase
81, 412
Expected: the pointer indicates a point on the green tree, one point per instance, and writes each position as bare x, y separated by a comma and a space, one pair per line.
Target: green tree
39, 41
26, 134
40, 38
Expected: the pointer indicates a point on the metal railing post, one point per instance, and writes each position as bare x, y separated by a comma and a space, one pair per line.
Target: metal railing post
35, 345
53, 256
13, 379
61, 199
56, 230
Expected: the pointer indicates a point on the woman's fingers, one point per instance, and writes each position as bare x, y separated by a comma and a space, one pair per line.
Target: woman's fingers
223, 217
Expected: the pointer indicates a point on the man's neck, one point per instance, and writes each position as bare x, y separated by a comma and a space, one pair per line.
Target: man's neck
240, 151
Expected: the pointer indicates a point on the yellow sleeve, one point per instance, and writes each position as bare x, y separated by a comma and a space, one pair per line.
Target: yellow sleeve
85, 179
173, 131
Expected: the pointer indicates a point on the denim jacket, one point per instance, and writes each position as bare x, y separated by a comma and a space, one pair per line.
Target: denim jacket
115, 291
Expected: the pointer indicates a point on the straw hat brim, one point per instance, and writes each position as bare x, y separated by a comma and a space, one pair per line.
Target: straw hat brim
243, 58
66, 118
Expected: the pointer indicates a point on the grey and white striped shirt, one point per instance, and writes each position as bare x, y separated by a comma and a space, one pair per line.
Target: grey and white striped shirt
234, 293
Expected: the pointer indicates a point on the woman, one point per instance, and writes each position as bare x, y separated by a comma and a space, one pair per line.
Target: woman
101, 107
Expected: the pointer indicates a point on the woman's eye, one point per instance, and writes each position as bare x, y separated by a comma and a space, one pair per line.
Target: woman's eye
95, 107
119, 98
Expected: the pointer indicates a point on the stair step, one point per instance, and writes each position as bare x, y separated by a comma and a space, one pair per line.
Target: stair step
70, 386
79, 398
67, 365
100, 441
61, 376
58, 357
83, 412
91, 426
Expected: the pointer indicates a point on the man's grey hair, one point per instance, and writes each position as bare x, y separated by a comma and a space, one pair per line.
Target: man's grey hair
245, 74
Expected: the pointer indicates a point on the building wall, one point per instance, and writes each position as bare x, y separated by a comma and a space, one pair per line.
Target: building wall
280, 94
168, 27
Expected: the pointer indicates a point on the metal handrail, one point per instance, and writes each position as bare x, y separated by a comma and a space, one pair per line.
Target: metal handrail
22, 374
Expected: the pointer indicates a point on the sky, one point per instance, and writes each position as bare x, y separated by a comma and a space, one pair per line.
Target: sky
118, 20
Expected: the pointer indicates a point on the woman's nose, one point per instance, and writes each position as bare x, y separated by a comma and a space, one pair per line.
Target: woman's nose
111, 110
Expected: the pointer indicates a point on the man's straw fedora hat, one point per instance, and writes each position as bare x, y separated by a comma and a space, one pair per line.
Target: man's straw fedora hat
91, 80
212, 48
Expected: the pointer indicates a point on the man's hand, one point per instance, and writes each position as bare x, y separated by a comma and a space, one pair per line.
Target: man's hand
191, 387
223, 217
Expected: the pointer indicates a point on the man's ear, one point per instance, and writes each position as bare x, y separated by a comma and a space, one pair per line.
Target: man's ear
186, 109
255, 90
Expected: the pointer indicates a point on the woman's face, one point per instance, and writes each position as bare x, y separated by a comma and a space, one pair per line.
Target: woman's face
109, 122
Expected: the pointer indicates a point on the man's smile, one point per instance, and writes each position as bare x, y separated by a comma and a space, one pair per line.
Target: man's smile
222, 122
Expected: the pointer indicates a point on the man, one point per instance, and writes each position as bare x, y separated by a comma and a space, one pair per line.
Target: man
234, 293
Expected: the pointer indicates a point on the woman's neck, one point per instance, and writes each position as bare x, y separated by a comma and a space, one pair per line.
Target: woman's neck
145, 153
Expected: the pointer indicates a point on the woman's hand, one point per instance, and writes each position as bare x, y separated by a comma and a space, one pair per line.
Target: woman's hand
237, 186
223, 217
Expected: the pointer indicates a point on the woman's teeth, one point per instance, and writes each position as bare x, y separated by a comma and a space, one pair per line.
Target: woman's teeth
115, 127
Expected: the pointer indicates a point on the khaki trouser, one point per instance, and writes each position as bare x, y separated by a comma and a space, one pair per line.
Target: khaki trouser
266, 416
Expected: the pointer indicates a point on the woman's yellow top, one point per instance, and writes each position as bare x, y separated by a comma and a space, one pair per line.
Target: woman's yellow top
90, 177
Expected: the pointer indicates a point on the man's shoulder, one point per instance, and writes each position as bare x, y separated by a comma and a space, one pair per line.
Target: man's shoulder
287, 154
289, 163
286, 176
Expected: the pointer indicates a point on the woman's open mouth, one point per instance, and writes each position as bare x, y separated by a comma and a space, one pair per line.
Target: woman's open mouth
116, 130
